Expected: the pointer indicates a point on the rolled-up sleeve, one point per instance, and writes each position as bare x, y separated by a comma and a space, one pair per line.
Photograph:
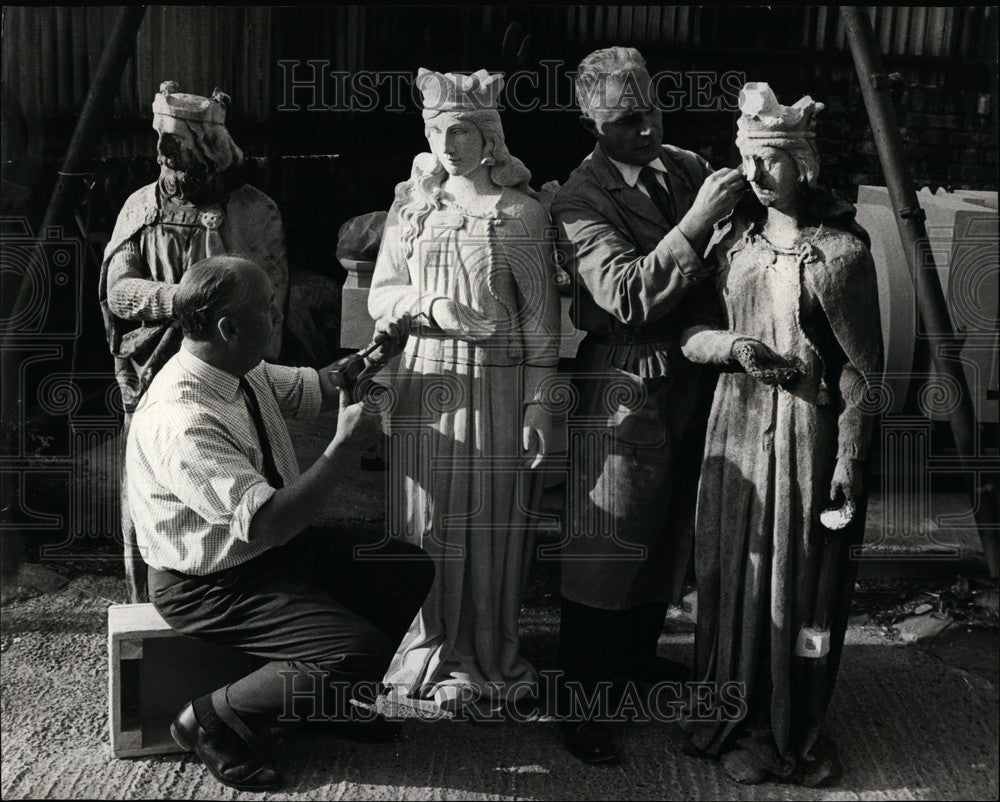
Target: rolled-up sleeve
208, 473
297, 390
256, 497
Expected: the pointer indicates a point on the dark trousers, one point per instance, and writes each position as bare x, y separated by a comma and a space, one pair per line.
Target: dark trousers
323, 617
597, 645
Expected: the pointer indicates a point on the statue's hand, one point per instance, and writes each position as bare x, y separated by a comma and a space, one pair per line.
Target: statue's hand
536, 432
847, 482
461, 320
396, 329
766, 366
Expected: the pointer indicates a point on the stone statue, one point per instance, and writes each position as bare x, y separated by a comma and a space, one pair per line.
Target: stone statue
467, 252
199, 207
782, 495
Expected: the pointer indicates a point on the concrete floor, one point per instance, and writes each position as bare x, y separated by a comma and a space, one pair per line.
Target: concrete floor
909, 725
915, 718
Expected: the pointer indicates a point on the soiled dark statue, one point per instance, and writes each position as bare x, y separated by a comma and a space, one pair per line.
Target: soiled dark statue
782, 495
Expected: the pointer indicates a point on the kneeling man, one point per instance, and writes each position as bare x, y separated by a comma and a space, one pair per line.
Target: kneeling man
223, 518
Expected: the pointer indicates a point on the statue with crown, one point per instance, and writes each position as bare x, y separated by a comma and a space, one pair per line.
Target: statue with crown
468, 253
200, 206
782, 497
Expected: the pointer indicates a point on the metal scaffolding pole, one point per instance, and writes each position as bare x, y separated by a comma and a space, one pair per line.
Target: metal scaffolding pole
920, 259
89, 127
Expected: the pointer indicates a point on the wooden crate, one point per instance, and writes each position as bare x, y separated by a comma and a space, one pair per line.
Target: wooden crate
153, 672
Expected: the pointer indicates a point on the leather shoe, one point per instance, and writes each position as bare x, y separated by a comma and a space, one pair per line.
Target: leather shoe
224, 753
591, 741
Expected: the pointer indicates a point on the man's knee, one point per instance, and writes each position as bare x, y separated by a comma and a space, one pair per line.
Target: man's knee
364, 654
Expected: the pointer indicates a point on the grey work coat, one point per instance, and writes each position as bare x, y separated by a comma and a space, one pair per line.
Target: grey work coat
636, 433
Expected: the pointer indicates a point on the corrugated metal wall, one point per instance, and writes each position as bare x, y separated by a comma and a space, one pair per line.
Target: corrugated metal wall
946, 31
50, 53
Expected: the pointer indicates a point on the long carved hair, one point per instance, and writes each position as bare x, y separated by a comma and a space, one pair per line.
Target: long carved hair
419, 195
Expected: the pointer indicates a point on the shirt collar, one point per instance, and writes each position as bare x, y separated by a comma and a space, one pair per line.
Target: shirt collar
630, 172
224, 384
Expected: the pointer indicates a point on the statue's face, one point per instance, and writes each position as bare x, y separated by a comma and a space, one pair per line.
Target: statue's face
626, 120
773, 175
458, 144
176, 146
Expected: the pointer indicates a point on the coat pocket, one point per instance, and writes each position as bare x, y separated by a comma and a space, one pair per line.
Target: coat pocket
628, 405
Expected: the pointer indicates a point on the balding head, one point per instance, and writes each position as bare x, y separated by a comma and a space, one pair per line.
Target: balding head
218, 287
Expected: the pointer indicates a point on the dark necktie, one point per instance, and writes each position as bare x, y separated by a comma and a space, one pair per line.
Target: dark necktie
657, 194
270, 469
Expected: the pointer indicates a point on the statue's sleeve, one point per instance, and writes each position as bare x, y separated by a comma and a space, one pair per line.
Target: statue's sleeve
634, 287
539, 297
707, 338
132, 295
860, 339
393, 292
848, 294
854, 424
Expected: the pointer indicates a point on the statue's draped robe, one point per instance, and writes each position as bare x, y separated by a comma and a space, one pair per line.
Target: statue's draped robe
458, 480
770, 455
155, 241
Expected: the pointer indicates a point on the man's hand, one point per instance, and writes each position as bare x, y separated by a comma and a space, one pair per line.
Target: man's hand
536, 433
356, 428
397, 329
332, 379
759, 361
461, 320
296, 505
716, 198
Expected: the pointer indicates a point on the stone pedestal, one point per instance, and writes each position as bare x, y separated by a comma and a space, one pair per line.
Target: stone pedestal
356, 326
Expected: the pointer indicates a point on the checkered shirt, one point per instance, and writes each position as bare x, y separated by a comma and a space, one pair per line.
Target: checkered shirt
194, 465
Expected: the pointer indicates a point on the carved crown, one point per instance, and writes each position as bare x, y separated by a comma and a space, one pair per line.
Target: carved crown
455, 92
763, 117
173, 103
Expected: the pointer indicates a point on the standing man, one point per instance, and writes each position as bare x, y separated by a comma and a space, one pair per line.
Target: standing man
635, 219
224, 521
199, 207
